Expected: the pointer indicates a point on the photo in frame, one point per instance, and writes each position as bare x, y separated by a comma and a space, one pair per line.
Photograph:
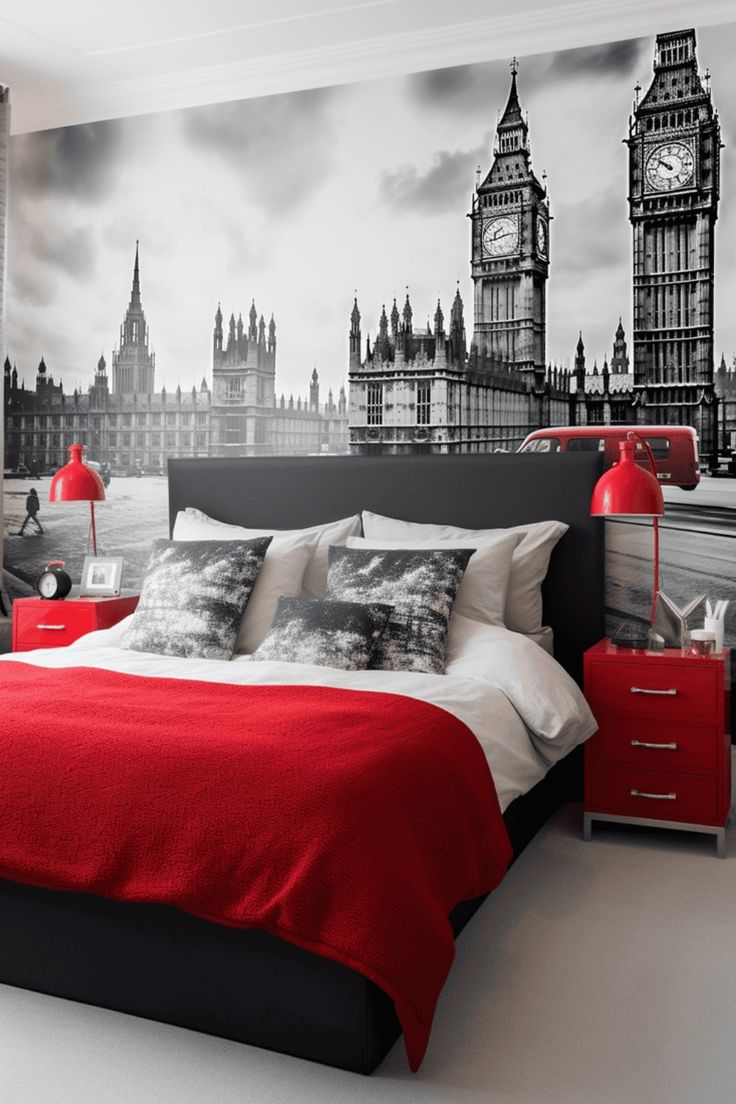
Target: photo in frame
101, 575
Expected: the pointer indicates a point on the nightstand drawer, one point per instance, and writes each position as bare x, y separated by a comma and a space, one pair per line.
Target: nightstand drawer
655, 745
55, 626
658, 795
666, 692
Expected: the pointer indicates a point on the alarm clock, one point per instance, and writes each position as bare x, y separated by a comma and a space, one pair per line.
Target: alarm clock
54, 581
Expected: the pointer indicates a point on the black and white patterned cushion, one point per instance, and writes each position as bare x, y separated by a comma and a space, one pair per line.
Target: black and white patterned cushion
328, 634
193, 597
420, 585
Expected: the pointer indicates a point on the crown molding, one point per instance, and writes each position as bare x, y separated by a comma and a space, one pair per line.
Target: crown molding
563, 26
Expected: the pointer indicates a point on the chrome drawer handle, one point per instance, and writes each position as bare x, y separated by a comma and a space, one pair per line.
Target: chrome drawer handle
646, 744
641, 690
654, 797
52, 628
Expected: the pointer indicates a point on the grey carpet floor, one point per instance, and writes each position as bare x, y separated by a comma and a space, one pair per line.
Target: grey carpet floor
600, 973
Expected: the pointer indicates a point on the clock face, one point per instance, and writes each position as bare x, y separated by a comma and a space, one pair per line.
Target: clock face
501, 236
47, 584
670, 166
541, 237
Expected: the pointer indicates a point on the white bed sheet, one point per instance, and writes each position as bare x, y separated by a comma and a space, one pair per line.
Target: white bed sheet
523, 708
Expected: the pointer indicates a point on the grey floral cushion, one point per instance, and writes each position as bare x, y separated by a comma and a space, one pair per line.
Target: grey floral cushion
329, 634
420, 585
193, 597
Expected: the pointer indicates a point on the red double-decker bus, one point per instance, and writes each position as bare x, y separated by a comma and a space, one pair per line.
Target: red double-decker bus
675, 448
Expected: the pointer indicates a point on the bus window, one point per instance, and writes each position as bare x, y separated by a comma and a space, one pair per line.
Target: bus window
660, 446
542, 444
586, 444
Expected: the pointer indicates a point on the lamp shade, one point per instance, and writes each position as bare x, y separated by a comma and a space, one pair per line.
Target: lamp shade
627, 489
76, 481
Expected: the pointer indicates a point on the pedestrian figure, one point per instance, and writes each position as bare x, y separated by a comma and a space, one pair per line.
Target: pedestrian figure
32, 508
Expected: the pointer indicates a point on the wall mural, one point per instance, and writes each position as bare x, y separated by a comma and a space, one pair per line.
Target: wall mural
442, 262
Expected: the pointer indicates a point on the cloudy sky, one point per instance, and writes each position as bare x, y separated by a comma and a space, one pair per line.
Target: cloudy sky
297, 200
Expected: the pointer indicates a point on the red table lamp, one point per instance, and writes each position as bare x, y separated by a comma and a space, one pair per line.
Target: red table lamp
628, 490
78, 482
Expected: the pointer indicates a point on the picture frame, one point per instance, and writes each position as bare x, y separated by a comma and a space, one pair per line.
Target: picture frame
101, 576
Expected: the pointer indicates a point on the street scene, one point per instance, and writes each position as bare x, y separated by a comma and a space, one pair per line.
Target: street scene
134, 514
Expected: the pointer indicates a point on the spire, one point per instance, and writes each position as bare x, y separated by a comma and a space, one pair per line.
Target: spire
354, 336
619, 329
101, 364
512, 153
218, 317
512, 115
135, 295
407, 313
439, 320
580, 365
394, 318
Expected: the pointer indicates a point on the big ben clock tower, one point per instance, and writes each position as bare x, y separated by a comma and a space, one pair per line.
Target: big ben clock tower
510, 251
674, 158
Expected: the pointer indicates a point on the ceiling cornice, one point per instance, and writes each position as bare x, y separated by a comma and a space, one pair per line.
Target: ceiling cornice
580, 23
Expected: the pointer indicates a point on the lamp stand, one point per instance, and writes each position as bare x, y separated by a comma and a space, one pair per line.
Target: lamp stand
94, 531
656, 585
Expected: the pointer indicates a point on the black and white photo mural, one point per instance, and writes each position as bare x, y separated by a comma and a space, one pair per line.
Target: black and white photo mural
445, 261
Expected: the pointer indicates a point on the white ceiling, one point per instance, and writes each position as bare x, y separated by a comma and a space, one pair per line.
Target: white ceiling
82, 60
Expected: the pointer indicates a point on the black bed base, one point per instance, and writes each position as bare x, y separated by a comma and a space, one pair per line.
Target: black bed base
246, 985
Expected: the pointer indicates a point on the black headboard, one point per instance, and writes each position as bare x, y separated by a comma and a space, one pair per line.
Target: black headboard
475, 491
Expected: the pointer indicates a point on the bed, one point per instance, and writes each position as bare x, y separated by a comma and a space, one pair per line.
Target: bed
248, 985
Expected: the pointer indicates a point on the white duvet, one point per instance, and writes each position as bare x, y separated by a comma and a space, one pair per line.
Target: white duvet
523, 708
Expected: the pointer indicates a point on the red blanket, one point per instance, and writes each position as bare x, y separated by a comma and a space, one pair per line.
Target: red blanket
349, 823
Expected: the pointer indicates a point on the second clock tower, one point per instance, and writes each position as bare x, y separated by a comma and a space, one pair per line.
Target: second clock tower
510, 251
674, 158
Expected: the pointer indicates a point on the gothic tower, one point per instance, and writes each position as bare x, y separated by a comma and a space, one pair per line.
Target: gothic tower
620, 358
132, 364
674, 159
510, 250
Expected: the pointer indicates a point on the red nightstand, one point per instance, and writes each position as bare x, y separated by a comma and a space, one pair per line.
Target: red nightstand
40, 623
662, 754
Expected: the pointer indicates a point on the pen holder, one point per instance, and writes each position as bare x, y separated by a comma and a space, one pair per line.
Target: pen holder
715, 625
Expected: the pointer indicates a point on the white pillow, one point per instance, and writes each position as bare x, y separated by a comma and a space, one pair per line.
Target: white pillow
523, 613
331, 532
482, 592
282, 572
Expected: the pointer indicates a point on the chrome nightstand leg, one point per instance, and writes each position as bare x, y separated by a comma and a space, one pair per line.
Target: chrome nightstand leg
721, 843
587, 827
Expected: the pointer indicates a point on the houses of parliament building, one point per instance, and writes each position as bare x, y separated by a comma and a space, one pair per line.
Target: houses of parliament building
427, 390
126, 425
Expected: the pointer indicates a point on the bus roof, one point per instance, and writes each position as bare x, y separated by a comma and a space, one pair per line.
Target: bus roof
609, 431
